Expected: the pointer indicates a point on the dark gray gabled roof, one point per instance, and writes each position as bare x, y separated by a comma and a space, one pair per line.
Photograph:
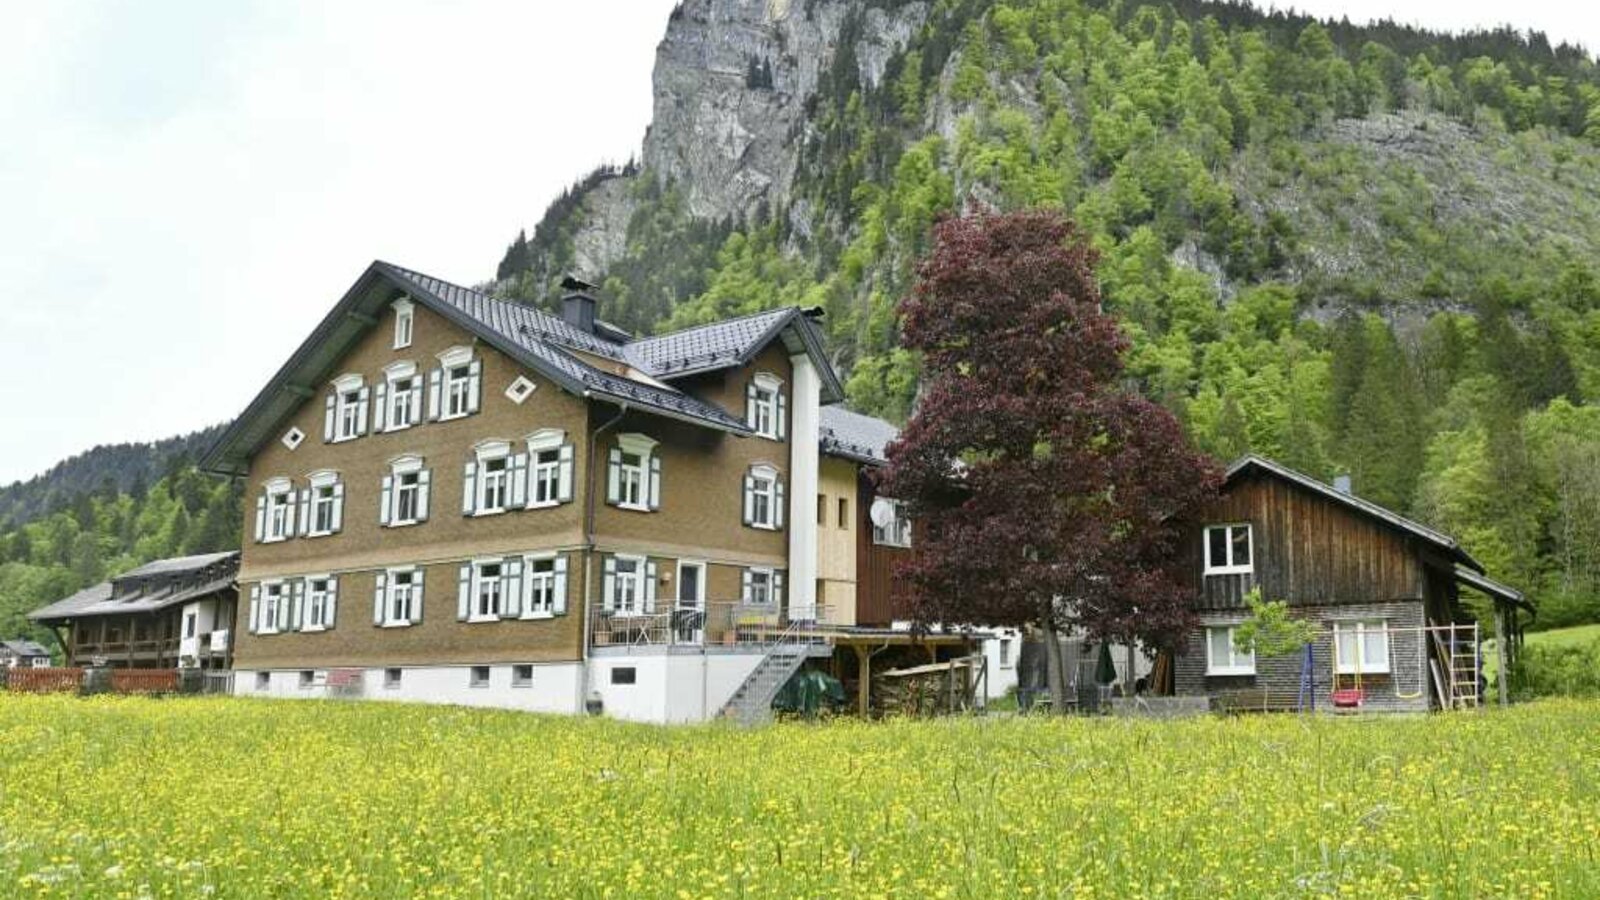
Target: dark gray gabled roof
179, 565
733, 342
529, 336
24, 648
856, 436
1437, 538
150, 587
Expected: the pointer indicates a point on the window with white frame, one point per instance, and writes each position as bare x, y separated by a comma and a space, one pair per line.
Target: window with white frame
896, 528
764, 406
1223, 657
1361, 647
399, 397
494, 479
455, 388
274, 609
275, 511
404, 323
629, 585
347, 409
633, 480
398, 598
549, 468
317, 614
545, 585
762, 587
488, 592
763, 498
1229, 550
404, 497
324, 512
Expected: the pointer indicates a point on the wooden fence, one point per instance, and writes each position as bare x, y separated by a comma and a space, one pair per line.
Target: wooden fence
144, 681
44, 681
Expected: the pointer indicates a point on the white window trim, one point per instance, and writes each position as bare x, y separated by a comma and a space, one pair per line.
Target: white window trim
388, 595
342, 387
314, 626
403, 465
1361, 628
323, 478
528, 580
1232, 666
266, 624
392, 373
638, 576
1232, 568
293, 438
278, 487
892, 539
543, 441
772, 575
448, 360
642, 446
473, 616
520, 389
484, 452
405, 323
768, 473
766, 381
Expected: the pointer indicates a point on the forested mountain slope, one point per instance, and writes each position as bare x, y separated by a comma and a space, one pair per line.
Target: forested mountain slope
1362, 249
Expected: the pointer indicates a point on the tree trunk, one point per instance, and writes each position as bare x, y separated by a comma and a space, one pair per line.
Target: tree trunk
1053, 669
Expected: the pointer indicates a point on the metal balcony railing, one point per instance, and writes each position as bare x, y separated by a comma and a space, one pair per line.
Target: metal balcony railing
729, 623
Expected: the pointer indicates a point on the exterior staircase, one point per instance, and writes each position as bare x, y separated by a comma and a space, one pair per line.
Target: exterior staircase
751, 704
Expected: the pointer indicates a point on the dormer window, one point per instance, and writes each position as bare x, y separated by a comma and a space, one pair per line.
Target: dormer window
633, 478
399, 397
275, 510
454, 386
346, 416
765, 408
404, 323
763, 498
1229, 550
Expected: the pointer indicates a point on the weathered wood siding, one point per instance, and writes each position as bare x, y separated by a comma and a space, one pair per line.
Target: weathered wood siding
1308, 549
881, 598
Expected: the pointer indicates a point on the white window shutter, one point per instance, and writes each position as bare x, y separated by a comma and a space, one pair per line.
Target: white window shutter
608, 593
261, 518
614, 476
283, 610
416, 400
744, 586
519, 480
330, 605
254, 623
655, 481
780, 415
419, 580
361, 410
469, 489
338, 506
464, 593
328, 421
749, 499
380, 415
649, 587
297, 607
564, 475
386, 501
474, 384
561, 586
750, 404
305, 512
435, 394
424, 487
289, 520
378, 598
777, 589
511, 588
777, 503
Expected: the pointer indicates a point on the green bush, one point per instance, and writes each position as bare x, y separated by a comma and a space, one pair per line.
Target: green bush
1546, 670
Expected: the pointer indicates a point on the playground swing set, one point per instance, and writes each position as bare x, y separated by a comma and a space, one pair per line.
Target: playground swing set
1457, 681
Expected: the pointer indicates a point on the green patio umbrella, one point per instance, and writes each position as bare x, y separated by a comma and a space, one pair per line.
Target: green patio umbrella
1105, 671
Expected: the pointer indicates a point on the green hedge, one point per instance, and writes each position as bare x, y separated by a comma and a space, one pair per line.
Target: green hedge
1547, 670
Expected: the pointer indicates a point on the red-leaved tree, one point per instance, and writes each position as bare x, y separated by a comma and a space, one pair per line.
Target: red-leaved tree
1045, 491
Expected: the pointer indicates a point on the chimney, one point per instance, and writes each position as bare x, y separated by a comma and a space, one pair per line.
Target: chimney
578, 304
1341, 483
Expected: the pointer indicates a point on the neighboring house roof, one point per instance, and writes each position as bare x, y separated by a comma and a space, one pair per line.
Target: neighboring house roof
1366, 507
531, 337
23, 648
856, 436
148, 588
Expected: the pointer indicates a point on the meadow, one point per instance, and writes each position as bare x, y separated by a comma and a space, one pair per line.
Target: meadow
129, 797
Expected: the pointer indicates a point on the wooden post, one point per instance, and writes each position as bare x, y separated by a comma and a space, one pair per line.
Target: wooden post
1502, 674
864, 670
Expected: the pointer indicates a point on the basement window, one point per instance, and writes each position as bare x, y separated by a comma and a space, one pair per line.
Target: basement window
391, 678
624, 675
522, 675
263, 680
479, 677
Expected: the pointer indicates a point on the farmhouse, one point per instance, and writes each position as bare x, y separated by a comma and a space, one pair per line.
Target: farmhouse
172, 613
23, 654
1384, 591
461, 499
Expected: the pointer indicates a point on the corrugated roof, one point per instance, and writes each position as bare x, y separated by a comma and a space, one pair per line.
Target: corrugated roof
856, 436
1366, 507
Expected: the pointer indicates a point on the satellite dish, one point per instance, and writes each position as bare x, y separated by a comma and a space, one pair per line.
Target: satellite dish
882, 513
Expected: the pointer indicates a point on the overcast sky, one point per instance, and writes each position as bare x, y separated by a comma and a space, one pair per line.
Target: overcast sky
186, 187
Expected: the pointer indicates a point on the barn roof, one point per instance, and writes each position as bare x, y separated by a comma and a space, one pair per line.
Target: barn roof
1252, 463
24, 648
533, 338
148, 588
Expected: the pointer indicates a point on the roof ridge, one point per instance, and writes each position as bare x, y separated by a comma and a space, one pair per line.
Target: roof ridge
689, 328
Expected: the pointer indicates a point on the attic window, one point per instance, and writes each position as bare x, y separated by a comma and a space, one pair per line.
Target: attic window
404, 322
1229, 550
293, 438
520, 390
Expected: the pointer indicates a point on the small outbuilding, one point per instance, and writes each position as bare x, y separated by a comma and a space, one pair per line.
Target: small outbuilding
23, 654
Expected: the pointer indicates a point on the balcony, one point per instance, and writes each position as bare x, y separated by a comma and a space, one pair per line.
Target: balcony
712, 624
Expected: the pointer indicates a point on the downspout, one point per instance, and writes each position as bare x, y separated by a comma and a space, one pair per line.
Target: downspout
585, 683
